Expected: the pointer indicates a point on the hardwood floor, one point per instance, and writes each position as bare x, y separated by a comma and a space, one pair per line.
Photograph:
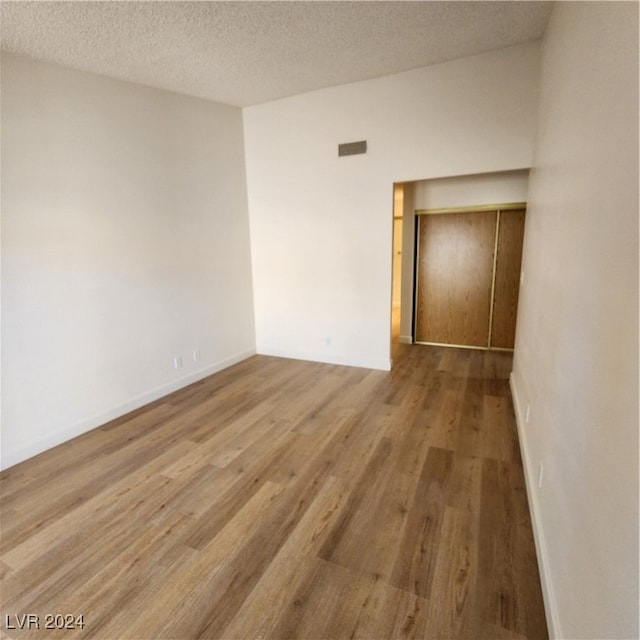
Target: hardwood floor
285, 499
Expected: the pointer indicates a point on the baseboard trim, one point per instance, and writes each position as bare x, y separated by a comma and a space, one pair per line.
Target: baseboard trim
551, 610
381, 365
406, 339
33, 448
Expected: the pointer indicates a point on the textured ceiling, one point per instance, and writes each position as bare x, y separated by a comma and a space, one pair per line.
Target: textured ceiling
245, 53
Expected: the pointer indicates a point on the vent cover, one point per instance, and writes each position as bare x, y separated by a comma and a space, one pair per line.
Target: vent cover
352, 148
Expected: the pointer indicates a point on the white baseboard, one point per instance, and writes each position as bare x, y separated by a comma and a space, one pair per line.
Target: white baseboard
551, 610
364, 363
406, 339
39, 445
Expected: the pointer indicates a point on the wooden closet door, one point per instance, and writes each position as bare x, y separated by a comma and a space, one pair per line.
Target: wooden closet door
507, 287
454, 277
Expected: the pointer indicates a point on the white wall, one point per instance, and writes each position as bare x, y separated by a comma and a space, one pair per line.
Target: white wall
321, 226
408, 267
470, 191
125, 243
576, 356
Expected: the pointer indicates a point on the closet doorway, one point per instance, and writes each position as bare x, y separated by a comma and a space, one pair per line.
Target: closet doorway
468, 275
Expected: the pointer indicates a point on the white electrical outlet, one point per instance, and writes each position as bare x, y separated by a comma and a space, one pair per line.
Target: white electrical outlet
527, 414
196, 355
540, 473
177, 362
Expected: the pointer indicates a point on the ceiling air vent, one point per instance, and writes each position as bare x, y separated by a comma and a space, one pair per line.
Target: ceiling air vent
352, 148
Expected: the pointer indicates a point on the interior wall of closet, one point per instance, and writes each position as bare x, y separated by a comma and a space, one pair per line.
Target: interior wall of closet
468, 275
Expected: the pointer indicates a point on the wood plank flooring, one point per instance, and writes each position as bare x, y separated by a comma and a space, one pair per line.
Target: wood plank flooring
285, 499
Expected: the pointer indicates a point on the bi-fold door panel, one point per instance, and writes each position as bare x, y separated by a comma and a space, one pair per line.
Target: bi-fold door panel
507, 285
454, 278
